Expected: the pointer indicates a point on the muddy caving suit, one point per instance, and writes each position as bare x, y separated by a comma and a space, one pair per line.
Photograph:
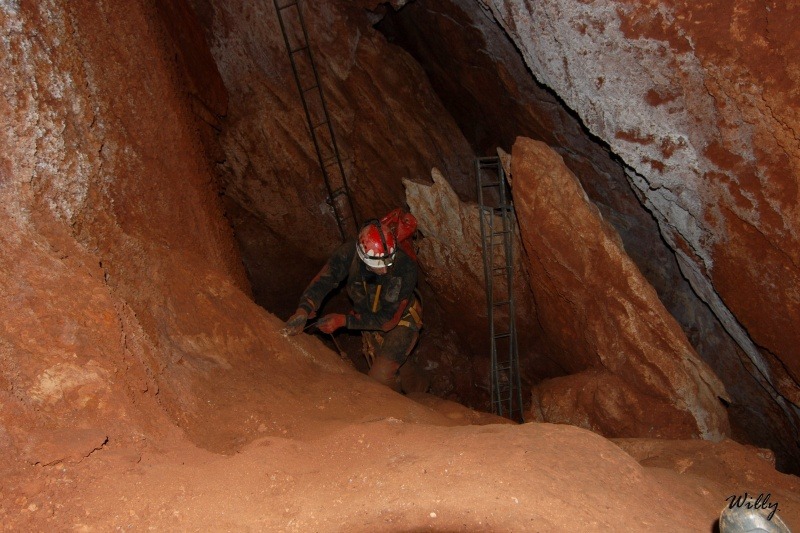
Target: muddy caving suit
385, 304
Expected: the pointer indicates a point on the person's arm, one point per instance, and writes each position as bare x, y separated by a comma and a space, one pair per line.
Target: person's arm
390, 312
331, 276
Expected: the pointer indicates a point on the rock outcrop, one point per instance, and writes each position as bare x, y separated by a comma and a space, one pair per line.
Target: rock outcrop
600, 315
451, 258
105, 201
483, 81
699, 102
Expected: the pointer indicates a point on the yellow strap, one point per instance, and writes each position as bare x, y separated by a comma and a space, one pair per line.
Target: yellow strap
414, 314
405, 323
375, 301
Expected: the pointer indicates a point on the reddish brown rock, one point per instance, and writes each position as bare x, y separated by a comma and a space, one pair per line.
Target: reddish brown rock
725, 468
699, 102
451, 257
125, 314
106, 199
606, 403
47, 448
482, 79
598, 311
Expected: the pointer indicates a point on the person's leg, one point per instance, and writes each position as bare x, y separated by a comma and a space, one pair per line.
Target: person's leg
384, 370
413, 377
397, 344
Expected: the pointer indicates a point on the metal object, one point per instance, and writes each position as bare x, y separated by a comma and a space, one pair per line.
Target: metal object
751, 519
342, 353
494, 202
295, 36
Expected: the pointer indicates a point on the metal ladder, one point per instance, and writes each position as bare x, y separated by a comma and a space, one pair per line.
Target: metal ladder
295, 36
498, 267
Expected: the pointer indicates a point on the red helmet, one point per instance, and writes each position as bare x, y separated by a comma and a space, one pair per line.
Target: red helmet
377, 245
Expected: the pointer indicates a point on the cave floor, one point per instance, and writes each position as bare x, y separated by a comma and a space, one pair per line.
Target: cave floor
438, 470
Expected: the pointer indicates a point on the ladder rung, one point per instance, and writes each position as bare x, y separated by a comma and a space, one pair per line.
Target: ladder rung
502, 335
318, 124
504, 302
295, 50
310, 88
290, 4
492, 184
504, 232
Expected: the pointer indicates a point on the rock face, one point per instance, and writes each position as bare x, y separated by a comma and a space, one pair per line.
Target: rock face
106, 205
698, 101
483, 81
126, 315
451, 258
600, 315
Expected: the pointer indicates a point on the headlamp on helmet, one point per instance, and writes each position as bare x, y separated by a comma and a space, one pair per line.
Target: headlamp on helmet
376, 245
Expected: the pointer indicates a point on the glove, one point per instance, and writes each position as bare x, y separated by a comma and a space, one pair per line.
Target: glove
296, 323
332, 322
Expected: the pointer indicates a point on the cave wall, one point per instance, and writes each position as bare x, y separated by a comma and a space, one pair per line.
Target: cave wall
127, 321
699, 102
484, 82
117, 256
632, 369
115, 250
388, 122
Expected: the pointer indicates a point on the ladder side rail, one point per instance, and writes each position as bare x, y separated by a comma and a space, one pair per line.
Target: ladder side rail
504, 210
334, 144
486, 214
486, 245
515, 377
339, 218
496, 392
509, 285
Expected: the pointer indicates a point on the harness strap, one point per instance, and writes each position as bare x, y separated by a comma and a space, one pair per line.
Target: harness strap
413, 312
377, 299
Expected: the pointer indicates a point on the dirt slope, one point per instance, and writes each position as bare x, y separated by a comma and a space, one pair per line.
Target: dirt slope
340, 453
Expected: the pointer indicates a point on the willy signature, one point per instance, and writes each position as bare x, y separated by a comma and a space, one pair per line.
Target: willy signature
761, 502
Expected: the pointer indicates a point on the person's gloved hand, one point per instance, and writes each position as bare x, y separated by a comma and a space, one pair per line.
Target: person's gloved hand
332, 322
296, 323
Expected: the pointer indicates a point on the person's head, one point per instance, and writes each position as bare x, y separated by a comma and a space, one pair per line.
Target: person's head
376, 246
